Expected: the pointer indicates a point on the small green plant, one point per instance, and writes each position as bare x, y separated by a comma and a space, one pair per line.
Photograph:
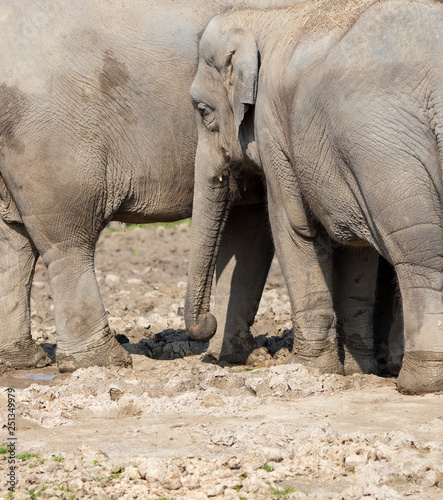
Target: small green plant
117, 474
167, 225
267, 467
3, 449
32, 493
249, 369
96, 463
283, 494
65, 488
38, 461
243, 477
35, 494
238, 487
58, 459
10, 495
27, 456
97, 478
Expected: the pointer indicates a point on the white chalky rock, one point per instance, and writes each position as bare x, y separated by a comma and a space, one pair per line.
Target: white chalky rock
152, 468
100, 493
223, 437
214, 490
112, 279
134, 281
132, 473
353, 461
171, 481
191, 482
157, 321
107, 410
143, 322
272, 455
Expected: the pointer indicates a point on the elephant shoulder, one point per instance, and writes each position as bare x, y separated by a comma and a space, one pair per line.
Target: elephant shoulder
391, 31
385, 46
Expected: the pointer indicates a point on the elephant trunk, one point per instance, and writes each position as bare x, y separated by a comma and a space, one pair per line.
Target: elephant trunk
210, 211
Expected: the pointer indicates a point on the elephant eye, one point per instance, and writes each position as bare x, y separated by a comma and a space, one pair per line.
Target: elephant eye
203, 110
207, 114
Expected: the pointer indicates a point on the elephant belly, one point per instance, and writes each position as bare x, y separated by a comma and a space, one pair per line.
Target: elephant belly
345, 226
333, 200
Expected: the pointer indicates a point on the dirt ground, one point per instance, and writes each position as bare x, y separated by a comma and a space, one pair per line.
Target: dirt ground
179, 426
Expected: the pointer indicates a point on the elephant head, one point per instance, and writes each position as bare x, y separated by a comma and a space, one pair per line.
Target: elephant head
223, 90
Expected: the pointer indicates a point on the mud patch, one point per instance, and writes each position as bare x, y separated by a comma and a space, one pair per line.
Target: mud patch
114, 74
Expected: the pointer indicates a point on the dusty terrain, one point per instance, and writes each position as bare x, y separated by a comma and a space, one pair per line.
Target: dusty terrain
179, 426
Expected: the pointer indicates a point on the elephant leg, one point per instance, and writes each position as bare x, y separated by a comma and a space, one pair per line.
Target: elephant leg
245, 255
17, 264
410, 233
421, 292
306, 263
356, 277
83, 336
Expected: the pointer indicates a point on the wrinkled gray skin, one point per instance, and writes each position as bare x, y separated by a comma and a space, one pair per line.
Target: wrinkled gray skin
341, 107
96, 125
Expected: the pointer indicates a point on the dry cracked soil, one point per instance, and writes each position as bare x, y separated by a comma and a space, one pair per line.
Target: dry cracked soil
179, 426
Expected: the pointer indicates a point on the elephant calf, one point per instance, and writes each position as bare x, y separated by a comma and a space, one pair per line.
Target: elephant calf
340, 106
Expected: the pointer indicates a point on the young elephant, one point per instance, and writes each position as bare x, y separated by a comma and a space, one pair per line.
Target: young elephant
340, 106
96, 125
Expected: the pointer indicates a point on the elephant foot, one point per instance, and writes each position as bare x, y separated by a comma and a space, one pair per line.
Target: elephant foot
106, 354
359, 363
326, 363
421, 372
237, 351
25, 355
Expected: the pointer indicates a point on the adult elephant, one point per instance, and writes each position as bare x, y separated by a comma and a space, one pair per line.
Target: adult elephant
96, 125
341, 107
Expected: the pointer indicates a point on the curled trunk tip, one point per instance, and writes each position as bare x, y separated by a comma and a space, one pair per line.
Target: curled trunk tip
204, 328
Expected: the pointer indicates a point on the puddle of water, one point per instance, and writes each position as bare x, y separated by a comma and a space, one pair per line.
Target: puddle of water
38, 376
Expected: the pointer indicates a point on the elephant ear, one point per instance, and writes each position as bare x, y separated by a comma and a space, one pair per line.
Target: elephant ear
241, 72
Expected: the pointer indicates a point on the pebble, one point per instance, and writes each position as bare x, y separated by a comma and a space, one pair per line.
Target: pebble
112, 279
